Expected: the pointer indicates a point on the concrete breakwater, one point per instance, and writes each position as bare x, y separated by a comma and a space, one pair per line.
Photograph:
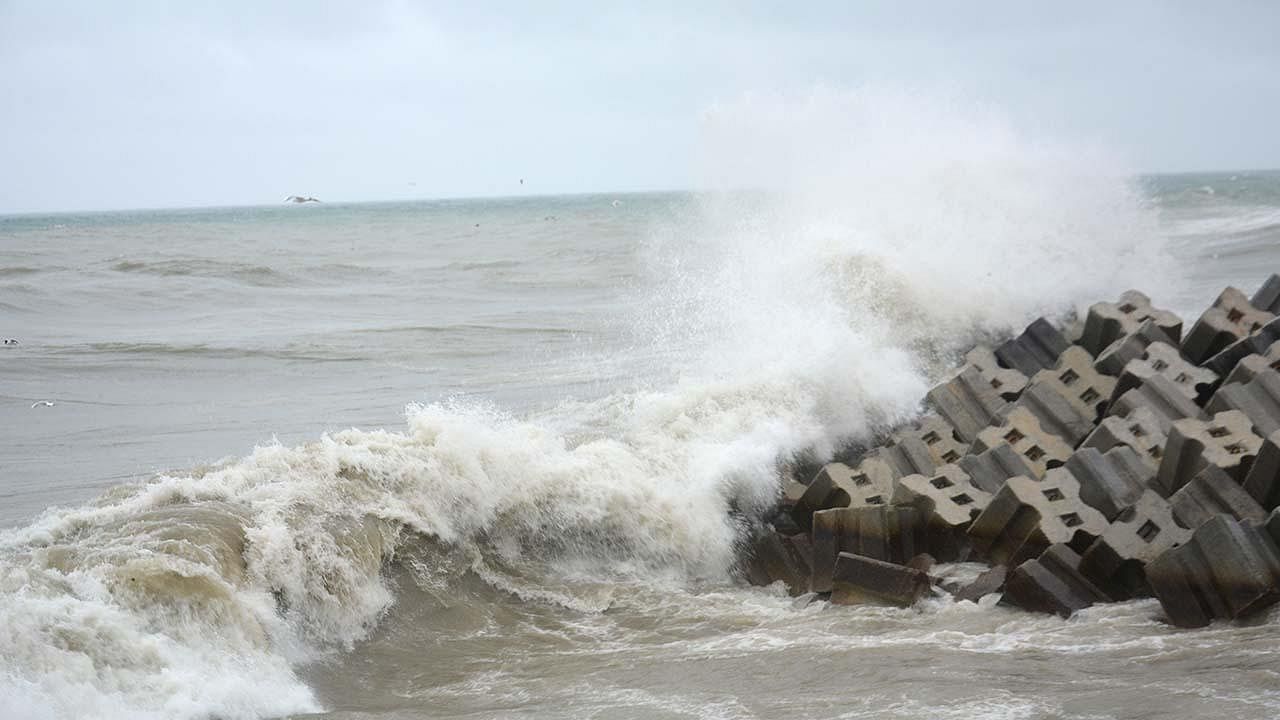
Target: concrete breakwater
1118, 457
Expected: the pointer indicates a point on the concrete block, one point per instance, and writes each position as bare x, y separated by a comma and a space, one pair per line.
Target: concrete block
1263, 481
1268, 295
775, 557
1055, 413
909, 456
1108, 322
1259, 399
1162, 397
941, 440
1255, 344
989, 469
1272, 526
968, 403
1052, 583
1114, 357
1141, 430
1037, 348
1212, 492
990, 581
1007, 382
1075, 379
1146, 528
1226, 442
1022, 431
860, 580
1253, 365
948, 502
1230, 319
837, 485
1161, 359
1227, 570
891, 534
1111, 481
1027, 516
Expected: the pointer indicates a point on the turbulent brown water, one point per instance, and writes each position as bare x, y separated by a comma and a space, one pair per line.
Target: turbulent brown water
600, 390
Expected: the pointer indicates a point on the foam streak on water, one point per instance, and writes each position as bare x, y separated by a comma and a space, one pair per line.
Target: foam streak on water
603, 395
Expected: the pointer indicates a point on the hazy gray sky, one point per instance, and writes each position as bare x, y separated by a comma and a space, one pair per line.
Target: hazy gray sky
126, 104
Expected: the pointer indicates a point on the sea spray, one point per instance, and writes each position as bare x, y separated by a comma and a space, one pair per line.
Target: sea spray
880, 233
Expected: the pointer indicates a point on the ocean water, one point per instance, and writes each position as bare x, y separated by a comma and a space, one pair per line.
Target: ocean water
493, 458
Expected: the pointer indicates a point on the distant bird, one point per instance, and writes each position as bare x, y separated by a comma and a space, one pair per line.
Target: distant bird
521, 181
300, 199
616, 203
11, 341
42, 403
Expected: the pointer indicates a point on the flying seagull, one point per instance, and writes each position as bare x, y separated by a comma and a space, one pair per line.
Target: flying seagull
42, 403
11, 341
300, 199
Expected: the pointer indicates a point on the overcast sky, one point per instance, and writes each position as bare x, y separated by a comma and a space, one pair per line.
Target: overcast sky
123, 104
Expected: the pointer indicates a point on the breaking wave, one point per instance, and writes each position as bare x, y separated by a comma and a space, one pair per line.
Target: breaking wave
849, 245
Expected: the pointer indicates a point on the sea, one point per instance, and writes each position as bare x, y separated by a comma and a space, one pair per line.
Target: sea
496, 458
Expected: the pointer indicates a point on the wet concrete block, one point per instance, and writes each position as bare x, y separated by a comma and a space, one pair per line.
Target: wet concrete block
1141, 431
968, 403
891, 534
1145, 529
837, 485
1161, 359
1114, 357
1212, 492
775, 557
1108, 322
1259, 399
1111, 481
1263, 481
1027, 516
1007, 382
1226, 441
1230, 319
1052, 583
1162, 398
1036, 349
858, 580
1022, 431
909, 456
1253, 365
1075, 379
941, 440
990, 581
1255, 344
988, 470
948, 502
1227, 570
1056, 413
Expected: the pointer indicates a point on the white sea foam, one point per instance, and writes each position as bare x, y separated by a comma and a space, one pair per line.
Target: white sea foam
895, 230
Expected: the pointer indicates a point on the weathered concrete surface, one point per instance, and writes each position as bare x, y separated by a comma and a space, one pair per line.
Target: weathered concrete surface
1263, 481
1268, 295
1055, 412
990, 581
1107, 322
948, 501
1036, 349
1052, 583
941, 440
1212, 492
1227, 570
1007, 382
1114, 357
1022, 431
1115, 561
859, 579
1140, 431
837, 485
1259, 399
1112, 481
1027, 516
1226, 442
1230, 319
1225, 361
892, 534
968, 403
1159, 395
988, 469
1255, 364
1161, 359
1075, 379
